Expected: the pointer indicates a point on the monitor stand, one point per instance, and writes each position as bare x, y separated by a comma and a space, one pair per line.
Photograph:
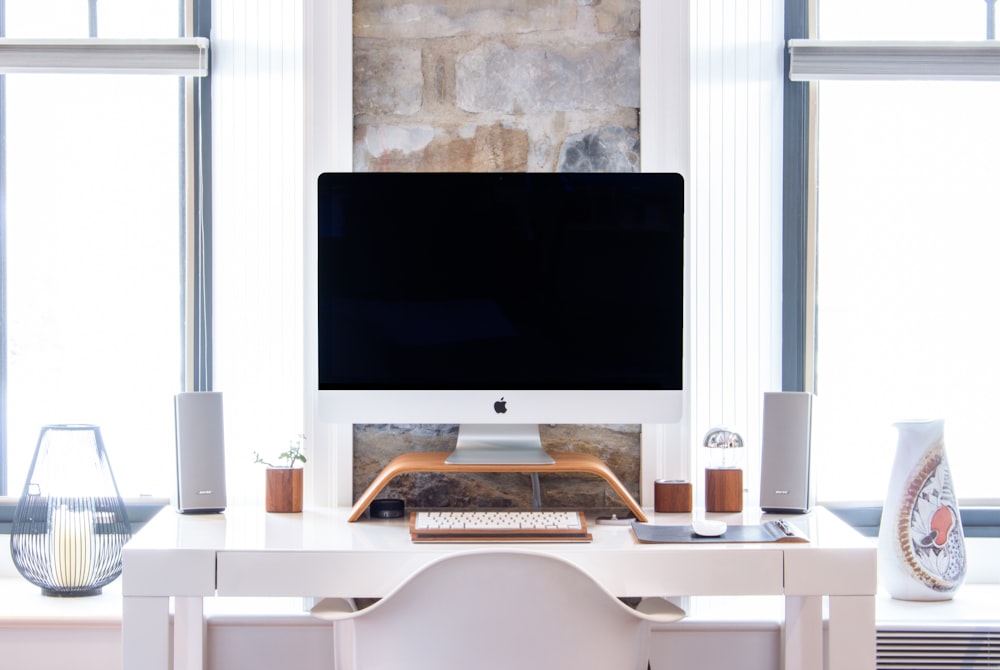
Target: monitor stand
499, 444
434, 461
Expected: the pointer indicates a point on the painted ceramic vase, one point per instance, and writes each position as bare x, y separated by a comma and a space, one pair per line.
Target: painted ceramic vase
921, 553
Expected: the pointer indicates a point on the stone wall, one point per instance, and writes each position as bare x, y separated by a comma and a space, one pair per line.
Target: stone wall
497, 85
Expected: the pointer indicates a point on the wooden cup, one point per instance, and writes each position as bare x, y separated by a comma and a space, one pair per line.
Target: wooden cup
671, 496
723, 490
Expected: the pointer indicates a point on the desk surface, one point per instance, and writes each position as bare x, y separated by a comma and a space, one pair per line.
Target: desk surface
319, 553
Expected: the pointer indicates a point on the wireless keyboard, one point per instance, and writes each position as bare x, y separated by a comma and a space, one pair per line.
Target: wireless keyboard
499, 526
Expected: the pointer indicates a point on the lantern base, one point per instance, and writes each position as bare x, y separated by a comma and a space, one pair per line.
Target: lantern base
75, 593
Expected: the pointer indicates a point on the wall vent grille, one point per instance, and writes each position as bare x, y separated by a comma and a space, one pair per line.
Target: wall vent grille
938, 649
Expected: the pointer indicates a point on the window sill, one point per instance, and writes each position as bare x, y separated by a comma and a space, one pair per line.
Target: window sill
22, 605
977, 520
974, 606
140, 510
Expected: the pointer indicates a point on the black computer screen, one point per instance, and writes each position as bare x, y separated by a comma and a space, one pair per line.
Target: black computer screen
500, 281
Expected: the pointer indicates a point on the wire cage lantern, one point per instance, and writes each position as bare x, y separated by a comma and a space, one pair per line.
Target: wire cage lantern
70, 523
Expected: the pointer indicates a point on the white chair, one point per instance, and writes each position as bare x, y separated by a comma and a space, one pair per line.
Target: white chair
500, 610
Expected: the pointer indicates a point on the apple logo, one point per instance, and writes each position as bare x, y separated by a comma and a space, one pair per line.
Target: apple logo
500, 406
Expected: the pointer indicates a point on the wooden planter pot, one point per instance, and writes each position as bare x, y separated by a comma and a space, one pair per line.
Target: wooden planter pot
284, 490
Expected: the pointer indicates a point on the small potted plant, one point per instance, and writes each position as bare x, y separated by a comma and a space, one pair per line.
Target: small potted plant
283, 489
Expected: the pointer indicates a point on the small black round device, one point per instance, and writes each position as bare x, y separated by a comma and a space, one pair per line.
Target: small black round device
386, 508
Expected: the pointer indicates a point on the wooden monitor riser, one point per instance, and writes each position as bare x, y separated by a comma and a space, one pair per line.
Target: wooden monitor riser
434, 461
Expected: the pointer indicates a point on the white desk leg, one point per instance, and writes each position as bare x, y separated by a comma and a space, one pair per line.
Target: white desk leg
145, 633
189, 633
802, 635
852, 633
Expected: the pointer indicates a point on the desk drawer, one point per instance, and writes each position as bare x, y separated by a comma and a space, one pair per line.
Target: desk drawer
353, 574
375, 574
675, 573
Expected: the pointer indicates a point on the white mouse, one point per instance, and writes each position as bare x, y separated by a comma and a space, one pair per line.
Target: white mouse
708, 527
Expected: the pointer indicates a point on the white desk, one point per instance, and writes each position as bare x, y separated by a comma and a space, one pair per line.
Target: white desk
246, 552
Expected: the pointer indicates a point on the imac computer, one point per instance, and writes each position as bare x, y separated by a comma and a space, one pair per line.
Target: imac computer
499, 302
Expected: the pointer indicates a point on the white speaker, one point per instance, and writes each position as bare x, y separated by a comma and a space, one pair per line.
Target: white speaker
201, 462
785, 443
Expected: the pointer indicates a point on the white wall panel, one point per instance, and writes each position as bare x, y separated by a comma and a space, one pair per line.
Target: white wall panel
258, 146
735, 212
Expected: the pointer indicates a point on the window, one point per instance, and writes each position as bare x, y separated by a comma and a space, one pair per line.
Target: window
905, 236
94, 235
902, 19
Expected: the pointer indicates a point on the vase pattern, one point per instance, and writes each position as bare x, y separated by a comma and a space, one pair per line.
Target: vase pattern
921, 541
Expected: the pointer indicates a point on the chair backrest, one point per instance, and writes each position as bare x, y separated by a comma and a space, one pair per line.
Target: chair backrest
495, 610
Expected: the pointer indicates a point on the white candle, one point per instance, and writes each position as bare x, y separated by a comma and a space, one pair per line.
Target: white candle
72, 536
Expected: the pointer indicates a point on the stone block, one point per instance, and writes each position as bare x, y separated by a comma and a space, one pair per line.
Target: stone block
608, 149
487, 148
388, 81
380, 140
618, 16
494, 77
422, 19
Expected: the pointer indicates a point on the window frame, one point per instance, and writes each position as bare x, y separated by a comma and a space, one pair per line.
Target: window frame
797, 146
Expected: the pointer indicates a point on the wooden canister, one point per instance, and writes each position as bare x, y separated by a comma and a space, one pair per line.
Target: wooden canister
670, 495
723, 490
